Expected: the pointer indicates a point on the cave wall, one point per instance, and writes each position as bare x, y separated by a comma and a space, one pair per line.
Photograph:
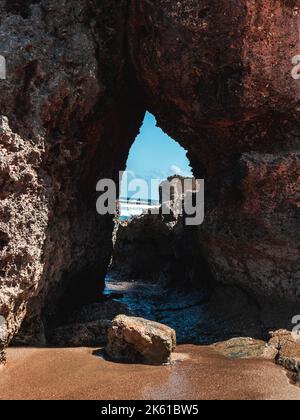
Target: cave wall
216, 74
65, 106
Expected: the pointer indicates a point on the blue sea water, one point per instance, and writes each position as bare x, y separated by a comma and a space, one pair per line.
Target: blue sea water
181, 310
124, 218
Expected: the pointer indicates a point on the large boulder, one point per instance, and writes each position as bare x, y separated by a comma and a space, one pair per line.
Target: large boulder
139, 340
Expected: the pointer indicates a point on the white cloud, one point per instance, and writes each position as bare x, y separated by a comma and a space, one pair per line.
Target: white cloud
176, 169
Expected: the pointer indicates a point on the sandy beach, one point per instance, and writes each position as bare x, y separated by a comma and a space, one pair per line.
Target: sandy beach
197, 373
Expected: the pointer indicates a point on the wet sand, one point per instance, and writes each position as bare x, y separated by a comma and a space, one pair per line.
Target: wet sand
198, 373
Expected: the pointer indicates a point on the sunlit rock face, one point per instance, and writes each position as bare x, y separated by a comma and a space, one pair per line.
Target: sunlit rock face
80, 74
137, 340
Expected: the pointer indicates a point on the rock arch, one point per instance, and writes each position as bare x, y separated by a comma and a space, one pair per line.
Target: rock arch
216, 74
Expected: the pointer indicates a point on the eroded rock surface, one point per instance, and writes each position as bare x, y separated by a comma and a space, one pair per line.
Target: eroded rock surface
162, 247
152, 248
80, 74
63, 111
138, 340
222, 72
245, 348
287, 348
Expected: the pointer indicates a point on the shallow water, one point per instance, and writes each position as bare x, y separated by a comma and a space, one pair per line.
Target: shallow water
181, 310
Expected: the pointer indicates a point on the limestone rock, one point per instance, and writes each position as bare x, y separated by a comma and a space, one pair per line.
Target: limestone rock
60, 109
227, 95
245, 348
138, 340
283, 348
288, 349
217, 76
156, 248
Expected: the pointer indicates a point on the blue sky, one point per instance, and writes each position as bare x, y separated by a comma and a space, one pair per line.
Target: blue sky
154, 155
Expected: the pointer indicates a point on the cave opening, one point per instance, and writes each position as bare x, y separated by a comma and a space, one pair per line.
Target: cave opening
153, 157
157, 271
158, 268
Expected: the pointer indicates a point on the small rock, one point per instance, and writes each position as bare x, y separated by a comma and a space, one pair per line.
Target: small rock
244, 348
139, 340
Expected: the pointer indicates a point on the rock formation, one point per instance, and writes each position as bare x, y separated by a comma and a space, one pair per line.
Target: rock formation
161, 246
150, 248
67, 101
222, 71
137, 340
287, 351
80, 75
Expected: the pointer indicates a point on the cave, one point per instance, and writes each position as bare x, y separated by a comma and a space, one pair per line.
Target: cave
156, 262
146, 247
69, 119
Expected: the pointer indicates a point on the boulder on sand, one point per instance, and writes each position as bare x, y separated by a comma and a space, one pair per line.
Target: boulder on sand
137, 340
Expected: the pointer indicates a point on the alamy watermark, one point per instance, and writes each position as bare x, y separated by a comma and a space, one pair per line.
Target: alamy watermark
179, 196
2, 67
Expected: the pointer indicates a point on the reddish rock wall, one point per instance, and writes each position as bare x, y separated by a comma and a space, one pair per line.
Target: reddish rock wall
217, 76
